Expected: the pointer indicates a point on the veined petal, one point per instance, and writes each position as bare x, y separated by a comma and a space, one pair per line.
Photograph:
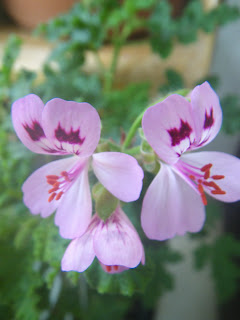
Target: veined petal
27, 122
224, 174
170, 207
207, 113
71, 126
79, 254
74, 214
116, 242
35, 188
119, 173
169, 127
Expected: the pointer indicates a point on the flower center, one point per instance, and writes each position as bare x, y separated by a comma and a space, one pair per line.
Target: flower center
201, 178
60, 184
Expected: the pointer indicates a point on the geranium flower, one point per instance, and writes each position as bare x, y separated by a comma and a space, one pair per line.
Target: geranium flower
115, 243
70, 128
174, 202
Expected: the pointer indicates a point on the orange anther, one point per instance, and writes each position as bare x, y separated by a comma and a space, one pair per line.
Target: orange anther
51, 182
218, 192
56, 185
52, 196
52, 190
204, 199
211, 184
206, 167
59, 195
115, 268
52, 177
64, 173
191, 176
200, 188
108, 268
218, 177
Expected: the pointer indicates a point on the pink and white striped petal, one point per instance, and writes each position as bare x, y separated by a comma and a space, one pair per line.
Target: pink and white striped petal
171, 207
119, 173
207, 113
74, 214
116, 242
35, 188
169, 128
79, 254
72, 127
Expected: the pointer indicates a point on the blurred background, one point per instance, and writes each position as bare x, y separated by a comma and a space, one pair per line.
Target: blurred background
154, 58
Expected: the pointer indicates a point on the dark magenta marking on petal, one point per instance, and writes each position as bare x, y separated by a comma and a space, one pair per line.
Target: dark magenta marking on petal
35, 132
208, 119
73, 137
177, 135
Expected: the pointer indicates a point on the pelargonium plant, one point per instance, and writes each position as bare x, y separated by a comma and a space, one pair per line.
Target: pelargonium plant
175, 200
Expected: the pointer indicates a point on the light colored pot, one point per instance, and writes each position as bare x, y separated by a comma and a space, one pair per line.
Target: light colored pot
29, 13
137, 62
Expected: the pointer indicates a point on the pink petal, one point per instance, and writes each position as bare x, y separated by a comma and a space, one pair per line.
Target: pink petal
169, 128
207, 113
79, 254
35, 188
71, 126
119, 173
170, 207
116, 242
27, 122
74, 214
223, 164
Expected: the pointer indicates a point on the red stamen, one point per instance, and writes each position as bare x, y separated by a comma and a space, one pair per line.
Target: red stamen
218, 192
108, 268
52, 196
206, 167
206, 174
115, 268
52, 177
211, 184
56, 185
204, 199
59, 195
51, 182
200, 188
65, 175
218, 177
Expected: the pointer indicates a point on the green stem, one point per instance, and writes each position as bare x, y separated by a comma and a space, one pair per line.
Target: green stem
118, 43
111, 72
132, 131
136, 124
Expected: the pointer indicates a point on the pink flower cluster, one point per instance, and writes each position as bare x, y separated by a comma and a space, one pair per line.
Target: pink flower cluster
174, 202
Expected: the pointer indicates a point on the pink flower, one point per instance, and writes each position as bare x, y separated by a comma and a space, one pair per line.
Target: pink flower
115, 243
70, 128
174, 202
